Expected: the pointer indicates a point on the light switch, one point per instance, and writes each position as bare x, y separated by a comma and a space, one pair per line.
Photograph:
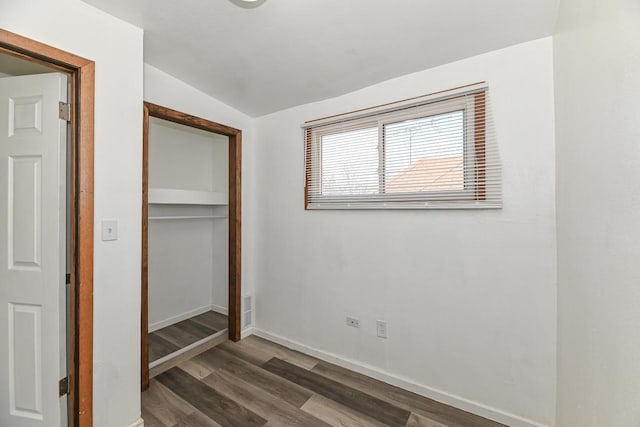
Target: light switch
109, 230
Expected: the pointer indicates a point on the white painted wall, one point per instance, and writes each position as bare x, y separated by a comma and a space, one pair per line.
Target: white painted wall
597, 76
186, 158
188, 264
470, 296
162, 89
116, 47
188, 258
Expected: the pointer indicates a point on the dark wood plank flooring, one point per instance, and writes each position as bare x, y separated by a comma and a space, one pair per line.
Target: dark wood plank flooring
258, 383
182, 334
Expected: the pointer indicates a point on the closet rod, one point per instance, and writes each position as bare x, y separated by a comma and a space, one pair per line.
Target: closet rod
186, 217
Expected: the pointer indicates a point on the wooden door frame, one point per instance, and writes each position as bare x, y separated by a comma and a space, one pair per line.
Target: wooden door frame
82, 77
235, 220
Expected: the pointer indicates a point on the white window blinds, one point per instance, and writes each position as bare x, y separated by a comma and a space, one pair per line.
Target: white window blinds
436, 151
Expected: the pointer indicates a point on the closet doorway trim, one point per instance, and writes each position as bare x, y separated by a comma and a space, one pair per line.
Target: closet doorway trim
235, 220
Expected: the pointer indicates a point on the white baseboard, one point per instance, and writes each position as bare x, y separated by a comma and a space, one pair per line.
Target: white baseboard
186, 349
138, 423
247, 333
184, 316
220, 309
178, 318
405, 383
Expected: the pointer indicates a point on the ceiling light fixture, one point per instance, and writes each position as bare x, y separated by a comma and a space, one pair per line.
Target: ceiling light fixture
248, 4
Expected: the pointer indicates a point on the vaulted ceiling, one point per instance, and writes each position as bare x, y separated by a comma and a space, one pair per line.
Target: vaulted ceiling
291, 52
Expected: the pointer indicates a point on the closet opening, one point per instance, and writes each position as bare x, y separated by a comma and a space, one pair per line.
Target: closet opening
191, 240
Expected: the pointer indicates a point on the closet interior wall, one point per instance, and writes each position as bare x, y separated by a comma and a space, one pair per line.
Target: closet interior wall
188, 223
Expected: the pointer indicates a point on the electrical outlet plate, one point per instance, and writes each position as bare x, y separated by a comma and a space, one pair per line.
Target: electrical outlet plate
353, 322
381, 328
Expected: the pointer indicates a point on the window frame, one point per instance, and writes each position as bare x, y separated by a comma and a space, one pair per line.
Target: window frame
317, 145
467, 106
473, 108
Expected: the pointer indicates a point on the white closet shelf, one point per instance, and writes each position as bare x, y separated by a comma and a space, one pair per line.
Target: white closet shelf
160, 218
167, 196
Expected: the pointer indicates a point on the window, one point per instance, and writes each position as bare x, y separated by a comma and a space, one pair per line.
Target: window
428, 152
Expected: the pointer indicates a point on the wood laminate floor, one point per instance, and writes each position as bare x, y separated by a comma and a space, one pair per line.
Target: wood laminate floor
258, 383
179, 335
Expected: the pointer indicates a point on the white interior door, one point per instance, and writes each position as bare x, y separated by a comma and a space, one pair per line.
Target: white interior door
32, 250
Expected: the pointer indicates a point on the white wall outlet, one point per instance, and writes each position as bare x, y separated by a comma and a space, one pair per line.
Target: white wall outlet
353, 322
381, 328
109, 230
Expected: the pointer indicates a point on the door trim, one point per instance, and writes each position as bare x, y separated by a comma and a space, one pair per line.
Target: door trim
82, 73
235, 221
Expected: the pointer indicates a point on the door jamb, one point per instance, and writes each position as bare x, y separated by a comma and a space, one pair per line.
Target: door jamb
235, 221
82, 73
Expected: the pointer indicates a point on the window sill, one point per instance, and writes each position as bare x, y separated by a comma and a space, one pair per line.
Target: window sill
415, 205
